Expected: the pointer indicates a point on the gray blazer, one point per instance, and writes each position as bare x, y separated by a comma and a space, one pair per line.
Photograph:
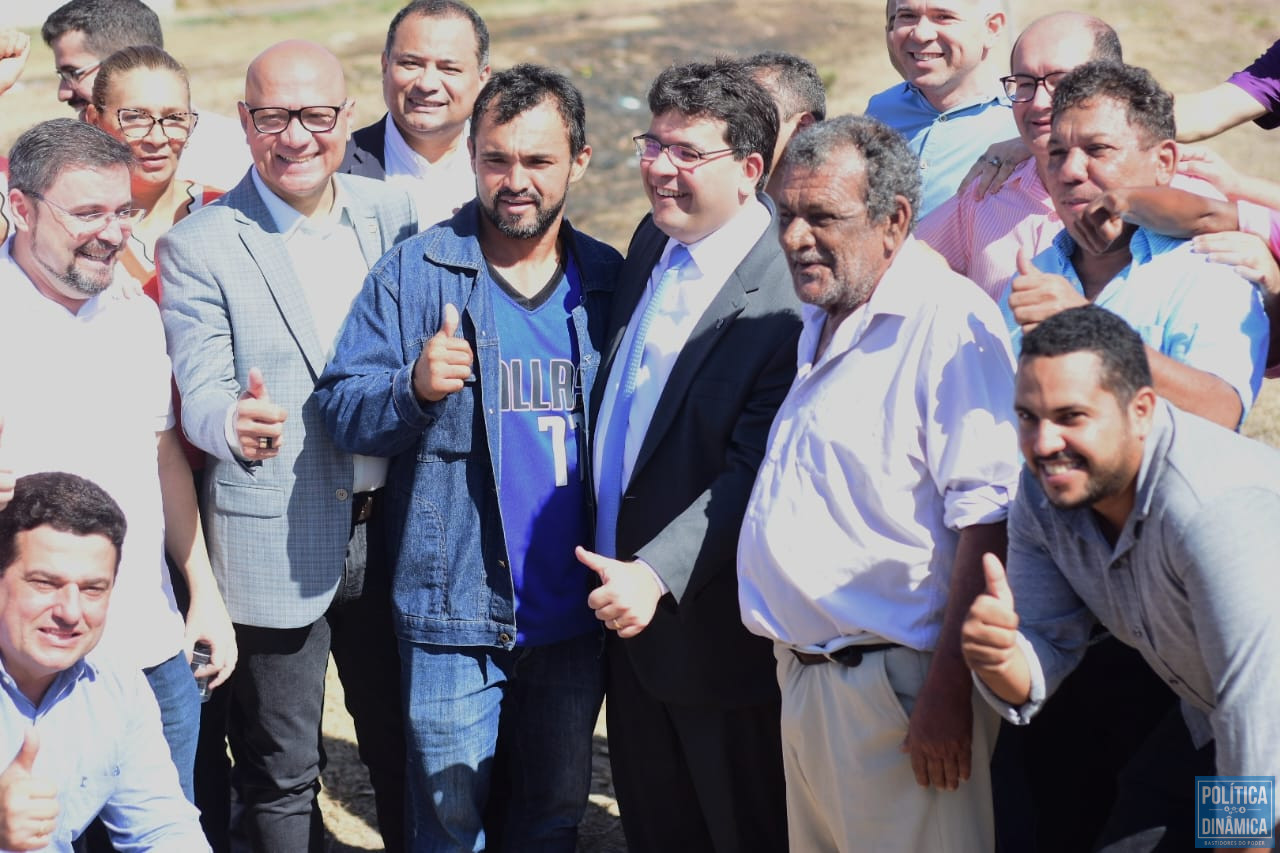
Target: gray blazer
277, 531
683, 506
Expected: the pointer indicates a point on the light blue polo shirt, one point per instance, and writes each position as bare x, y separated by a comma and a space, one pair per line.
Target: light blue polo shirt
1182, 304
947, 143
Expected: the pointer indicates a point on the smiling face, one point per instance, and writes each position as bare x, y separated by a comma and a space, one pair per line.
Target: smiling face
524, 168
1092, 149
430, 78
1080, 441
1050, 46
158, 92
70, 261
53, 604
836, 254
939, 46
297, 164
691, 202
70, 53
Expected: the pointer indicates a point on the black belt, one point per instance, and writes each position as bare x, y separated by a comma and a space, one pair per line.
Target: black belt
849, 656
361, 507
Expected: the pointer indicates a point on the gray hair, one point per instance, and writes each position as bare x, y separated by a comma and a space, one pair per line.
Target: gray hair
891, 167
47, 150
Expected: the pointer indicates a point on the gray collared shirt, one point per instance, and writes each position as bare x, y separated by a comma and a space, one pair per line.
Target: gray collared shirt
1192, 583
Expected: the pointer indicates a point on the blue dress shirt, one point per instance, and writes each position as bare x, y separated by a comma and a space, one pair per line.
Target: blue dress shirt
102, 745
1183, 305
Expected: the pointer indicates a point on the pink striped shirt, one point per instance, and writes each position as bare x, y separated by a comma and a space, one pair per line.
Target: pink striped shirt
980, 237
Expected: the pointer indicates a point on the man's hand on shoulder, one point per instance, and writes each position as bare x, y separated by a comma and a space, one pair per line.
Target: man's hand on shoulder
445, 362
28, 804
627, 596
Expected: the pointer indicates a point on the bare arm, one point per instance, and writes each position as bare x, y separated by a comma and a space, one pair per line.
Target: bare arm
941, 727
1195, 391
1199, 115
207, 617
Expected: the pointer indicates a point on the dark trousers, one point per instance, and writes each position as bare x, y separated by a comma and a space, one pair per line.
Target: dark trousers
693, 777
271, 708
1055, 781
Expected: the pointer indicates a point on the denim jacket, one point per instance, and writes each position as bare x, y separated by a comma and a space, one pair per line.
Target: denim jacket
438, 518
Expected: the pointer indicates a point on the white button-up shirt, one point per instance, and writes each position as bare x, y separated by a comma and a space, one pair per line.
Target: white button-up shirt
437, 189
900, 435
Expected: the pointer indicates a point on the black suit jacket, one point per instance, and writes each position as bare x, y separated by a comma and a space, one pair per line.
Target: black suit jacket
366, 151
682, 510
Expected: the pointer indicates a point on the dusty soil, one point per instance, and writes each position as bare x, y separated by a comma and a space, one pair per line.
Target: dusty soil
613, 49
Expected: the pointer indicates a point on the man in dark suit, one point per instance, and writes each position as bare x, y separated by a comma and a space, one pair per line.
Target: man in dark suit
699, 354
435, 62
256, 288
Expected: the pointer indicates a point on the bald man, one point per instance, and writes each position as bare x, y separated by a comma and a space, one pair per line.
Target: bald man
255, 292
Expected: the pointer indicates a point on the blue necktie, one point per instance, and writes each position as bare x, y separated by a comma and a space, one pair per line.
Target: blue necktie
615, 438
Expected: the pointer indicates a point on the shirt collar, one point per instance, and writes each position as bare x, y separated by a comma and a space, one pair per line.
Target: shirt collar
982, 99
62, 684
289, 221
719, 253
399, 150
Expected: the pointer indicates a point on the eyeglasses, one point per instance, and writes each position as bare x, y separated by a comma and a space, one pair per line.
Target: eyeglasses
135, 124
681, 156
72, 76
1022, 87
96, 219
276, 119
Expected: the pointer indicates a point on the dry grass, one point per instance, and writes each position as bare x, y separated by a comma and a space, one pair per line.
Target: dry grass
613, 50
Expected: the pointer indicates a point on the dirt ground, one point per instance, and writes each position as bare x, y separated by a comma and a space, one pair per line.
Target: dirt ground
613, 49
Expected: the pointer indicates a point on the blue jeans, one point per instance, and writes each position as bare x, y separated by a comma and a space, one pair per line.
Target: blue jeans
499, 744
179, 700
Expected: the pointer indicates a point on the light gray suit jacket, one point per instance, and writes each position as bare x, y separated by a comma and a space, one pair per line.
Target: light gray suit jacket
277, 531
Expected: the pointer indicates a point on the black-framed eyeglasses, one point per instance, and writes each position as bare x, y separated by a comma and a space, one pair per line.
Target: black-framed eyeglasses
95, 219
681, 156
1022, 87
135, 123
319, 119
72, 76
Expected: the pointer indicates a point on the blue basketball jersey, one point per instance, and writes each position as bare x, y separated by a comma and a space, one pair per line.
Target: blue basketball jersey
541, 488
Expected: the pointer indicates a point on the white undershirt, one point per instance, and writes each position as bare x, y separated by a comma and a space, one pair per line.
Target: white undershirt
437, 189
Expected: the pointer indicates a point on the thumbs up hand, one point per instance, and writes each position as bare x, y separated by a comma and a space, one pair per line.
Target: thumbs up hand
1035, 296
7, 478
259, 422
28, 805
445, 361
987, 637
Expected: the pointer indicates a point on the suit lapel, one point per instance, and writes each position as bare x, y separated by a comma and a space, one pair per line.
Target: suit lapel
258, 233
646, 250
365, 221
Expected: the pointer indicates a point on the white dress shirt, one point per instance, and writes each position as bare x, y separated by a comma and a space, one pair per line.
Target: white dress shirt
714, 258
437, 189
331, 268
900, 435
86, 393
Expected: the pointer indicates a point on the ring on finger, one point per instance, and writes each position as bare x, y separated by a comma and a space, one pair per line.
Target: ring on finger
994, 161
265, 442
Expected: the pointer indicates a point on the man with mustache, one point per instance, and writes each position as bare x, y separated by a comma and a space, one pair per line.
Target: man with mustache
889, 471
76, 353
467, 359
1205, 326
1158, 525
